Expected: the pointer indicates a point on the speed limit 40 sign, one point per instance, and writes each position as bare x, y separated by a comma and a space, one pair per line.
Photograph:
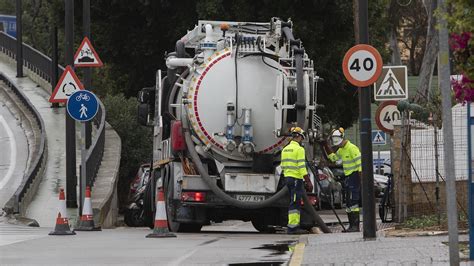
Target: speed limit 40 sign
362, 65
385, 116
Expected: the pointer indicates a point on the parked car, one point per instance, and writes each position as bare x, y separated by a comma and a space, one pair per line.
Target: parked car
330, 193
135, 214
139, 179
380, 181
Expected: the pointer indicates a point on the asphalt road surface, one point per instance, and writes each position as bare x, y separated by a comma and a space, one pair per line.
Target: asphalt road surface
13, 148
231, 243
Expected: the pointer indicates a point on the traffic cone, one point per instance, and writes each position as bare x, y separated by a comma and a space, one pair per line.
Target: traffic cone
86, 223
62, 222
161, 222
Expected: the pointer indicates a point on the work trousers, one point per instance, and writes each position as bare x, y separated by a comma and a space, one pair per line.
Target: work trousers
295, 189
353, 192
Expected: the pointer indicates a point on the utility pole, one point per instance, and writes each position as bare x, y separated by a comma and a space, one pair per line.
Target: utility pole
445, 87
54, 60
368, 198
71, 178
19, 40
86, 24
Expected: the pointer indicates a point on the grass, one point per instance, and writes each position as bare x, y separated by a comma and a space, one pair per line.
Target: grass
430, 222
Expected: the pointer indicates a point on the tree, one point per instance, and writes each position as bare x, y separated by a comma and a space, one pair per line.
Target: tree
461, 24
429, 58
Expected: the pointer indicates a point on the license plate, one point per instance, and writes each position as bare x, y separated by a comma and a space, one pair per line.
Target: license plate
253, 198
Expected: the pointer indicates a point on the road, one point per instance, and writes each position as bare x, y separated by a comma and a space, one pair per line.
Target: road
232, 243
13, 147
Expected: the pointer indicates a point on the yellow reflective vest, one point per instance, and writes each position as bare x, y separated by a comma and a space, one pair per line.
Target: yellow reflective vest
350, 155
293, 161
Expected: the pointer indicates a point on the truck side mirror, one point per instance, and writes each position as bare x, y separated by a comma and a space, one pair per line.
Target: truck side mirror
143, 114
146, 106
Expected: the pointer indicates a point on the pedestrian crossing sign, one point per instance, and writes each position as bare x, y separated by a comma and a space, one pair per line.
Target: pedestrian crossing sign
379, 137
392, 84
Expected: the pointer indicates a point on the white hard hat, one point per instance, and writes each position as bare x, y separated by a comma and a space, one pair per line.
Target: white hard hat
337, 136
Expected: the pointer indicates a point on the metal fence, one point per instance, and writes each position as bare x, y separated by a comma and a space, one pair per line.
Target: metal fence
424, 155
427, 152
33, 59
40, 65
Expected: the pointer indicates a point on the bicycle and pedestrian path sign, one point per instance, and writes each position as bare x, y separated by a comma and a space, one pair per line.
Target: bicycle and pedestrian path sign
392, 84
82, 106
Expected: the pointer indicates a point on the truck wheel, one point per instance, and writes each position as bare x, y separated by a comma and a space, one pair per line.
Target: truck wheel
190, 228
262, 227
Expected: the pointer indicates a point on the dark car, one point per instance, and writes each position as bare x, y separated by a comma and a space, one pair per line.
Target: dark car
330, 193
380, 181
135, 213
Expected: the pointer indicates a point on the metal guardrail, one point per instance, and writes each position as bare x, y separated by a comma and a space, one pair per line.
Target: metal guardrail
96, 151
40, 64
33, 59
37, 164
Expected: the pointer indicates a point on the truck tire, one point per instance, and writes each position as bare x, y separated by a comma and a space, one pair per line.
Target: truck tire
190, 228
260, 225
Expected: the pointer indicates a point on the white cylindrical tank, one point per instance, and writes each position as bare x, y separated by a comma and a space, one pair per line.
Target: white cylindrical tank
213, 86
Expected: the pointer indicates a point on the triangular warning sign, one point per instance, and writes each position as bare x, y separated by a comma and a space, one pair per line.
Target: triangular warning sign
86, 56
67, 85
390, 86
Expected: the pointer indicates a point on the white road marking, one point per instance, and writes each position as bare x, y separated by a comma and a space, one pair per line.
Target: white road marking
12, 153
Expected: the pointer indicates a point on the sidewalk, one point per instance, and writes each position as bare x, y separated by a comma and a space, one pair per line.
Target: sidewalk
352, 249
43, 207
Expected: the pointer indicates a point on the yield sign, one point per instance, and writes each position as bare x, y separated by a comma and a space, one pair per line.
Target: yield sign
86, 56
67, 85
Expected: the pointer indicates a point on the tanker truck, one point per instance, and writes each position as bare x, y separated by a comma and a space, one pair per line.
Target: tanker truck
221, 114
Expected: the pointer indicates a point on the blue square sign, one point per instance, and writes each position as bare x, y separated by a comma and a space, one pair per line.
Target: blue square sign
379, 137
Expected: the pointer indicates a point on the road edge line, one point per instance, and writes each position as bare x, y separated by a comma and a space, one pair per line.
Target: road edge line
297, 257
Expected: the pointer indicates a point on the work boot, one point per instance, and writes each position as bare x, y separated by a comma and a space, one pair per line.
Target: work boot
297, 231
349, 217
354, 222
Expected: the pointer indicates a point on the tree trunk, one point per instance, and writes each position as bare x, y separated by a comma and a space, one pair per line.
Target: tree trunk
355, 10
430, 56
395, 59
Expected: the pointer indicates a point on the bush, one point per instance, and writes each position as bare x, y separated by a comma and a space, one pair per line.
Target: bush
137, 140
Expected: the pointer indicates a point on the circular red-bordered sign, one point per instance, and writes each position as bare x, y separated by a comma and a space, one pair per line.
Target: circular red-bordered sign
362, 65
386, 114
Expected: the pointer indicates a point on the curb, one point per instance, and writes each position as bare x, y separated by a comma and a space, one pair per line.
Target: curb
298, 253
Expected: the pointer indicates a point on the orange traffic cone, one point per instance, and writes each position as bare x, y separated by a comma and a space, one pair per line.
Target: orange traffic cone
86, 223
161, 222
62, 222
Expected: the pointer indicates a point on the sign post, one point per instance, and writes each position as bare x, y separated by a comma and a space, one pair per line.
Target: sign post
470, 141
379, 138
82, 106
362, 66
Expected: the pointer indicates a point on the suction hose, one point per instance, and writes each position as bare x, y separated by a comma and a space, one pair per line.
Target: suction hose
234, 202
212, 185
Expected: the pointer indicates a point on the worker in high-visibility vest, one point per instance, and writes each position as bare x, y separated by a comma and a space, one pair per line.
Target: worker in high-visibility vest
293, 164
351, 162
